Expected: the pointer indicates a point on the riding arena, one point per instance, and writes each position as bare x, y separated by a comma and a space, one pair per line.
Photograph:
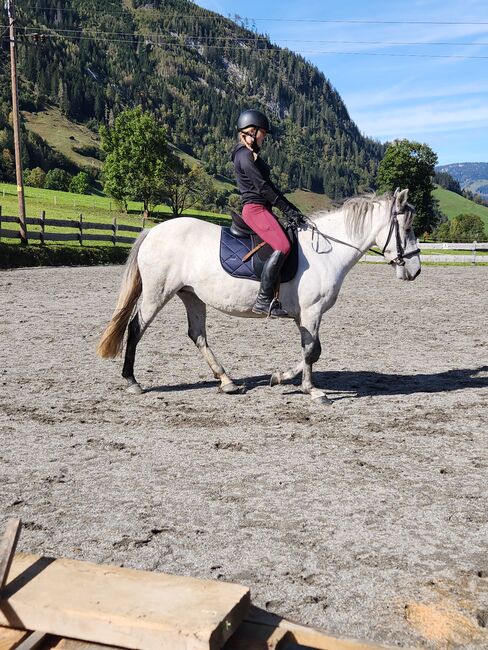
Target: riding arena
363, 514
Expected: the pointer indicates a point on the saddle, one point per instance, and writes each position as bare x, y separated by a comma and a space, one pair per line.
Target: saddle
243, 253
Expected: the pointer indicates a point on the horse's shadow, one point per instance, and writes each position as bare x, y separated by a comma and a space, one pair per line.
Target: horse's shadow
354, 384
367, 384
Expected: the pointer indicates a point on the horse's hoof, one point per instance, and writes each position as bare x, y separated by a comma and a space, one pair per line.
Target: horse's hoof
321, 400
275, 378
134, 389
231, 389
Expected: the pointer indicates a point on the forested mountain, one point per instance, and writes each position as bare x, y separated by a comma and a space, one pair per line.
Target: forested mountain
196, 70
472, 177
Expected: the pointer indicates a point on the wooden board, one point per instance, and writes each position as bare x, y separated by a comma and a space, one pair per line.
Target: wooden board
302, 635
122, 607
11, 638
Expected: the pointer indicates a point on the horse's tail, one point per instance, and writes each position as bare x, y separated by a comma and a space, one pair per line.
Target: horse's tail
110, 344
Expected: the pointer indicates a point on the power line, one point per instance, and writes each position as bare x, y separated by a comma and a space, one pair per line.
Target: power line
282, 20
156, 35
143, 39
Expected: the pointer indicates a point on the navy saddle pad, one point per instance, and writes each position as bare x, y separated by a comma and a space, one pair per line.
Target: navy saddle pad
235, 244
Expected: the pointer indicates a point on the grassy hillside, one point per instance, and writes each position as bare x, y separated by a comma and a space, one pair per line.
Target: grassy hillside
310, 201
452, 205
63, 135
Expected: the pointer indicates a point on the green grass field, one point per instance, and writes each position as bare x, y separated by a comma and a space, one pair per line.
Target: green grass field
98, 209
450, 251
453, 205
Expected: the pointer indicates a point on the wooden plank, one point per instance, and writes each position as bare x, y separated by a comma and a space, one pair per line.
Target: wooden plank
10, 638
61, 236
125, 240
88, 237
129, 228
250, 636
72, 644
32, 641
93, 225
11, 234
122, 607
63, 223
33, 221
309, 636
7, 549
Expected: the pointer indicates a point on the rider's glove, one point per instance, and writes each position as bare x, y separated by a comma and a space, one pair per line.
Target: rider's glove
294, 217
292, 214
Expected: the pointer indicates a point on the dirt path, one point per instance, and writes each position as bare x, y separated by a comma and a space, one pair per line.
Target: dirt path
368, 517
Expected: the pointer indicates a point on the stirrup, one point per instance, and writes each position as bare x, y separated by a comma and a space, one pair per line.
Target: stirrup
276, 310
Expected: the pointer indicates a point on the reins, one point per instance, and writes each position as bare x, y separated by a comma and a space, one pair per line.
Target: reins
399, 260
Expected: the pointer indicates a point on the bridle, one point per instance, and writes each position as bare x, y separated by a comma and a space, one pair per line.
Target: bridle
401, 255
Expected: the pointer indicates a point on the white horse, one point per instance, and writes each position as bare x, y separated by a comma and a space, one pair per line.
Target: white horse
181, 257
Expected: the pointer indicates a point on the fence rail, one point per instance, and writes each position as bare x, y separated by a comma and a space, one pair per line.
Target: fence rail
472, 247
113, 229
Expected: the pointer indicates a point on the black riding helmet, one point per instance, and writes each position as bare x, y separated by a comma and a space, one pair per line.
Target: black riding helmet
255, 118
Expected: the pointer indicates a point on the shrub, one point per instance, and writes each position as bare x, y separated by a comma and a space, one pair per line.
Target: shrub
35, 177
467, 227
80, 184
463, 228
57, 179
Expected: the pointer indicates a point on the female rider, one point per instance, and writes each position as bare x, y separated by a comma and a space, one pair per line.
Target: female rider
259, 196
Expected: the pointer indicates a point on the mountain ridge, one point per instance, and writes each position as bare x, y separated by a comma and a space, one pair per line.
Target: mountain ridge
196, 70
472, 176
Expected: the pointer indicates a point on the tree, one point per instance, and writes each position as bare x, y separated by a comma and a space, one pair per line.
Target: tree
442, 232
57, 179
187, 188
35, 177
467, 227
80, 184
137, 158
411, 164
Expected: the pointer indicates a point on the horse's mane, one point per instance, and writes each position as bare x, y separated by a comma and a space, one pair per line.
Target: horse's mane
357, 211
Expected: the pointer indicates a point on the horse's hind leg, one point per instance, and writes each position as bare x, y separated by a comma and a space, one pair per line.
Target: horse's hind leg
197, 313
138, 325
279, 376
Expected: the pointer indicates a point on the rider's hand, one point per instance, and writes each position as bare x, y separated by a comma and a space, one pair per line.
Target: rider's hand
294, 217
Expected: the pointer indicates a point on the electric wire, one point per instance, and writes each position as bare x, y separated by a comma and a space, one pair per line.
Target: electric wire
274, 19
262, 39
143, 40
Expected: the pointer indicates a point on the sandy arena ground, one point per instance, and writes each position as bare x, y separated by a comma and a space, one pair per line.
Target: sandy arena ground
368, 517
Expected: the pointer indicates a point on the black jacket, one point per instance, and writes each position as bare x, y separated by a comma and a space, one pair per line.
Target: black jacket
254, 182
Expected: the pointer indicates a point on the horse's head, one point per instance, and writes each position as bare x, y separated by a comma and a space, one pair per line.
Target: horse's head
397, 239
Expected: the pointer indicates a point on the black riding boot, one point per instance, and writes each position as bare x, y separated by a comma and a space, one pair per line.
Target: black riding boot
266, 303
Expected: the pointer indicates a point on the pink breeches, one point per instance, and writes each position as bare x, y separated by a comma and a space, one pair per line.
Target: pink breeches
266, 225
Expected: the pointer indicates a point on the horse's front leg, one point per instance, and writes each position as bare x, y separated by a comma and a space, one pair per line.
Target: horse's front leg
311, 349
197, 313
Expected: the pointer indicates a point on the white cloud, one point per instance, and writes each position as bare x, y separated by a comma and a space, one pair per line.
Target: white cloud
407, 92
423, 119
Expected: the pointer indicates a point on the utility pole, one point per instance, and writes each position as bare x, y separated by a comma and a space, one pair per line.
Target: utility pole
16, 123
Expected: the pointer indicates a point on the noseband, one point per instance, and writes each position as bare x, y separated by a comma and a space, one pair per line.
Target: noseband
401, 255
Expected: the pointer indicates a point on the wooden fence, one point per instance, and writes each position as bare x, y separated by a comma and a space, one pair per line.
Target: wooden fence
111, 234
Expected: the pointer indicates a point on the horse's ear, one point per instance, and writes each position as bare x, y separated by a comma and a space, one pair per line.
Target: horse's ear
400, 199
396, 192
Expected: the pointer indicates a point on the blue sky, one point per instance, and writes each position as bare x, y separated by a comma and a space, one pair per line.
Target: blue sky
440, 101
